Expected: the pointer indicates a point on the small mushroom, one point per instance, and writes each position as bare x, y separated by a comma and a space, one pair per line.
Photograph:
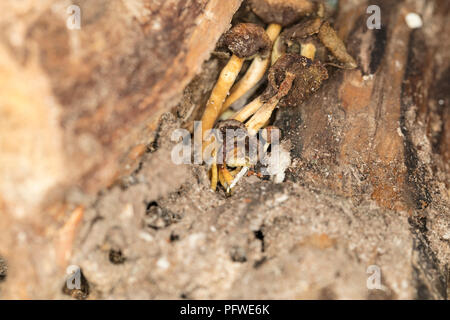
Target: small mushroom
258, 102
310, 47
292, 79
244, 41
260, 118
313, 38
254, 73
247, 111
229, 157
276, 13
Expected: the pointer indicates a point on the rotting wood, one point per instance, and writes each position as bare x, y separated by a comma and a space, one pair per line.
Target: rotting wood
75, 102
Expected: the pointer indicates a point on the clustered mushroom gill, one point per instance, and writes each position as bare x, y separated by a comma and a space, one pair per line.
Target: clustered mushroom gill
292, 53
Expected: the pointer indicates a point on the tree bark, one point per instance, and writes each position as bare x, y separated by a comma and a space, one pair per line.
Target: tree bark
368, 184
78, 107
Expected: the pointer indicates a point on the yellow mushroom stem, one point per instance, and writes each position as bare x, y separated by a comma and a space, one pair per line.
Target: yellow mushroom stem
308, 50
247, 111
276, 50
220, 92
222, 179
254, 73
260, 118
214, 176
225, 178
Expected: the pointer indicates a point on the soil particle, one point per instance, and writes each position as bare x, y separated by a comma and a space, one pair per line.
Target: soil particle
310, 243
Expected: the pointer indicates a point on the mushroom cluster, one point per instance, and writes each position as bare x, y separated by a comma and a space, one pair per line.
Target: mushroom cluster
292, 52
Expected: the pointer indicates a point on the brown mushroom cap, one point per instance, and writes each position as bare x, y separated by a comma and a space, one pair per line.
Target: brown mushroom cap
247, 39
308, 78
302, 30
283, 12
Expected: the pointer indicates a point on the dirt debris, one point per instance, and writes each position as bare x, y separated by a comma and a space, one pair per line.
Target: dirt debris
366, 194
315, 244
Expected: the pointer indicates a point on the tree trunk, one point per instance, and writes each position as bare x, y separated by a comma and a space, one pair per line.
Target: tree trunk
367, 189
79, 106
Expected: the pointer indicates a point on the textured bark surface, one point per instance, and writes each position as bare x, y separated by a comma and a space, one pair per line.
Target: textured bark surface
92, 93
368, 185
79, 106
